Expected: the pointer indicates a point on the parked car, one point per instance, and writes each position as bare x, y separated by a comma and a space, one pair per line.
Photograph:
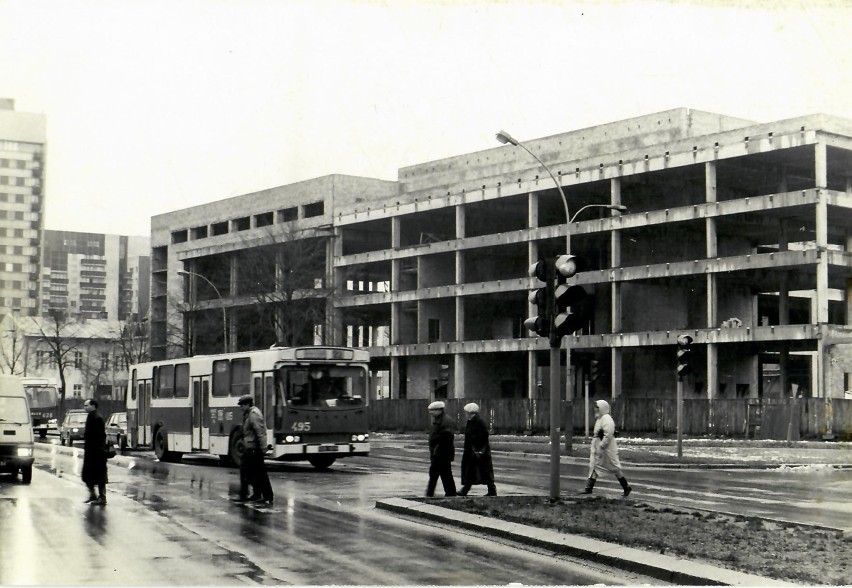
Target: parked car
73, 427
116, 429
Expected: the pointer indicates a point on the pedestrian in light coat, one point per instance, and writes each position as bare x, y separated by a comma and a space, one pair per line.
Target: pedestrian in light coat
476, 467
603, 456
94, 471
441, 450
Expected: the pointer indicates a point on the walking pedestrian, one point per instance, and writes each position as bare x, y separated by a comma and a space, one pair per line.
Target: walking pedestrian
476, 466
441, 450
253, 466
94, 459
603, 456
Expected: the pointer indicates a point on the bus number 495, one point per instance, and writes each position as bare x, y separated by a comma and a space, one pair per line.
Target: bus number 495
302, 426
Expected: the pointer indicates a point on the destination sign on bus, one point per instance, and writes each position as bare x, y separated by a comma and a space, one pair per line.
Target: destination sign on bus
324, 353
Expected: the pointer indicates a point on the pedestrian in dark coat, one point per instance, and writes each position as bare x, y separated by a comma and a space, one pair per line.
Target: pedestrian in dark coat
253, 467
476, 467
94, 459
441, 450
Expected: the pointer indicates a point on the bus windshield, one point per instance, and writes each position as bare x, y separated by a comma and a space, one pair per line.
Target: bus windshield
323, 386
41, 396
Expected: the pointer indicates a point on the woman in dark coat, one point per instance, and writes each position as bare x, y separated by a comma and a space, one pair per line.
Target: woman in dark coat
94, 458
476, 467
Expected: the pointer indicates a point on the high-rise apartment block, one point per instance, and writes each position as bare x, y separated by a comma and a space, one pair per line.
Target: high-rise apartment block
737, 234
22, 150
96, 276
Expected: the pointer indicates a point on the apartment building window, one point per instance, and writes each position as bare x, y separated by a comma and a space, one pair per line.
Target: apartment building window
78, 360
78, 390
105, 360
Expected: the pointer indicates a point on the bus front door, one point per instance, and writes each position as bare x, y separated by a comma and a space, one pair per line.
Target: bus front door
200, 428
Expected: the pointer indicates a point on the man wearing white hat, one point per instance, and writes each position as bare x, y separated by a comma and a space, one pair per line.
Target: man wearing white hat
476, 467
441, 450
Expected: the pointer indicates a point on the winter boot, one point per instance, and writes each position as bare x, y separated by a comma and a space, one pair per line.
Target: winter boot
589, 485
625, 485
464, 490
492, 490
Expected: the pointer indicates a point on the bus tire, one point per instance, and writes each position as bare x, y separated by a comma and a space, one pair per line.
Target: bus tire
42, 433
322, 462
236, 448
27, 474
161, 447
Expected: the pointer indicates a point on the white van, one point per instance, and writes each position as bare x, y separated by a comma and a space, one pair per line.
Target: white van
16, 429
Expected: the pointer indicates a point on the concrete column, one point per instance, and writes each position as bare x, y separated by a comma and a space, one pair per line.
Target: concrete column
460, 273
394, 287
532, 257
458, 375
821, 302
711, 251
393, 391
334, 319
616, 353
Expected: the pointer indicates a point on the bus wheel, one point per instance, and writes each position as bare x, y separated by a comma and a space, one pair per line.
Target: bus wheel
236, 448
42, 433
161, 447
321, 462
27, 474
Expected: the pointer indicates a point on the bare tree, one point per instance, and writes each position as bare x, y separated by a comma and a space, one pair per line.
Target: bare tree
286, 276
59, 335
134, 341
13, 350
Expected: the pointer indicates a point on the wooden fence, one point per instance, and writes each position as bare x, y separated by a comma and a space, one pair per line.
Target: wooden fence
752, 418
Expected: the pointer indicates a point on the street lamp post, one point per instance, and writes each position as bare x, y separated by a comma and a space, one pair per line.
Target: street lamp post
221, 303
556, 341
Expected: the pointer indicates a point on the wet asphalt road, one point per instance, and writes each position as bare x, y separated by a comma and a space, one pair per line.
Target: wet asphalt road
176, 524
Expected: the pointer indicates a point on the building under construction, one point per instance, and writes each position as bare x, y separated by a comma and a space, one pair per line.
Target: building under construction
732, 232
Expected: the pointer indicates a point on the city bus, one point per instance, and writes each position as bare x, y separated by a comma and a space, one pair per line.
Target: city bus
314, 400
43, 395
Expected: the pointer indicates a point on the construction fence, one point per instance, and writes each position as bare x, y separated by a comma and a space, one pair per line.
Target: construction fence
812, 418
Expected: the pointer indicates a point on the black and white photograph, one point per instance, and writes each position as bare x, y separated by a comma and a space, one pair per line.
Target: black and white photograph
425, 292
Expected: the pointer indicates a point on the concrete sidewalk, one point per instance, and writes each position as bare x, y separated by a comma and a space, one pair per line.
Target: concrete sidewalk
662, 567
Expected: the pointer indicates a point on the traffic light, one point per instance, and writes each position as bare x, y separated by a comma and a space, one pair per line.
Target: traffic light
684, 355
567, 297
539, 323
593, 370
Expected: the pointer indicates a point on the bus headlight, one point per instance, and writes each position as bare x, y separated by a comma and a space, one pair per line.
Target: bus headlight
25, 451
360, 438
292, 439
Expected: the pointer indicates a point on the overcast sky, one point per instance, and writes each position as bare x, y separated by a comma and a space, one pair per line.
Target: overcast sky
153, 106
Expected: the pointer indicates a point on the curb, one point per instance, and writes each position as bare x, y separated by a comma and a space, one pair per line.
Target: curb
662, 567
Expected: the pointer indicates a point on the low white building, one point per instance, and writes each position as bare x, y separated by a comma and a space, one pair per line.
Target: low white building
93, 354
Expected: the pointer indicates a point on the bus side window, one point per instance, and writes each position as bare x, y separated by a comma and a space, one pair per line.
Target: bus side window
240, 376
182, 380
164, 381
133, 385
221, 377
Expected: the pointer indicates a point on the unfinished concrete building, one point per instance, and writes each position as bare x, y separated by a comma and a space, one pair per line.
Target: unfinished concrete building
735, 233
